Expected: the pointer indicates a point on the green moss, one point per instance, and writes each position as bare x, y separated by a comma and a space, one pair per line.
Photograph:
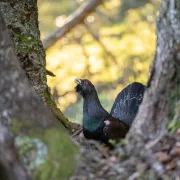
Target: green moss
174, 104
48, 97
56, 111
60, 160
175, 123
15, 126
24, 43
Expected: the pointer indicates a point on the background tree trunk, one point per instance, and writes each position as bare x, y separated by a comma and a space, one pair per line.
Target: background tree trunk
21, 18
163, 91
22, 113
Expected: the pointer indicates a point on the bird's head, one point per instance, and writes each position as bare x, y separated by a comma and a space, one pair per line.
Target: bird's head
84, 87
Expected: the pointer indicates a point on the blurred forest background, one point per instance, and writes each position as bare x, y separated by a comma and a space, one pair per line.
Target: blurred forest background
114, 47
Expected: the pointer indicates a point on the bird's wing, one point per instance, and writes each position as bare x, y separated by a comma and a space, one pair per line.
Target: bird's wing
114, 128
127, 102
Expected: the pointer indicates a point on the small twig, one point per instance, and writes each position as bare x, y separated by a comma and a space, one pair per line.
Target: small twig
105, 16
77, 132
105, 154
49, 73
67, 92
86, 55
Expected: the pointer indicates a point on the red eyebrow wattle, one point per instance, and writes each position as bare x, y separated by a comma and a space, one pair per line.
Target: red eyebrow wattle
86, 82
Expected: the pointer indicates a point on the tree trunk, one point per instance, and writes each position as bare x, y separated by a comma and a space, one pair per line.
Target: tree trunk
21, 18
22, 113
163, 91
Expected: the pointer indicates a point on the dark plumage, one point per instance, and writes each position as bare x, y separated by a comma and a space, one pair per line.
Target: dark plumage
98, 124
127, 102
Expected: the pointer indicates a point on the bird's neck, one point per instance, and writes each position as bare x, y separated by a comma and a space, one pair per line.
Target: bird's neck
92, 105
93, 112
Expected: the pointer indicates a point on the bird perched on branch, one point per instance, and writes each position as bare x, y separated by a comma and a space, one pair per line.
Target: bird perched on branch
98, 124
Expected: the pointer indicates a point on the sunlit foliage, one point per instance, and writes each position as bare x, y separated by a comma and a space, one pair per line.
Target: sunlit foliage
128, 34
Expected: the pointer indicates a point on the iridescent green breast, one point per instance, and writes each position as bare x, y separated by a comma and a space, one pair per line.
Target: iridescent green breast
91, 123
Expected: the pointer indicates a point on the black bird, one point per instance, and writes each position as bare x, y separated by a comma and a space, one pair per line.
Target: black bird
100, 125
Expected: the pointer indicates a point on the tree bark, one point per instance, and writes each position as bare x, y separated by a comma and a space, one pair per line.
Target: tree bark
163, 91
21, 18
23, 114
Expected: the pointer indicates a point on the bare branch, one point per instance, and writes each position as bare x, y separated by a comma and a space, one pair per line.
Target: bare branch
74, 19
105, 16
97, 39
87, 71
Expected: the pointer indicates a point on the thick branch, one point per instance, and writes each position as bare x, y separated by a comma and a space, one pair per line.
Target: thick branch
74, 19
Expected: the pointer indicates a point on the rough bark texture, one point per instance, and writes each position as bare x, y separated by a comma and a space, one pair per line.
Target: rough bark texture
21, 18
73, 20
10, 167
24, 114
162, 95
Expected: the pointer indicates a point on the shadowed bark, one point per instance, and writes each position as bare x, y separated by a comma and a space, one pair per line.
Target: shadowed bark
10, 167
23, 113
162, 95
21, 18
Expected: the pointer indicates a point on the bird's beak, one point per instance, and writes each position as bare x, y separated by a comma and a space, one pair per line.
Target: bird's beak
77, 81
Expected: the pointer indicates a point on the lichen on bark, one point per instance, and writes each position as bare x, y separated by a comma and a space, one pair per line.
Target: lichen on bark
21, 18
22, 111
162, 94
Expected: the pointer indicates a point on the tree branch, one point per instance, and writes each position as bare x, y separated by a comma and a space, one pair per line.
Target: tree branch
74, 19
97, 39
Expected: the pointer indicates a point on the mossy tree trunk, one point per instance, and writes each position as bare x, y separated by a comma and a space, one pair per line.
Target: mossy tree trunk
23, 114
21, 18
162, 98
